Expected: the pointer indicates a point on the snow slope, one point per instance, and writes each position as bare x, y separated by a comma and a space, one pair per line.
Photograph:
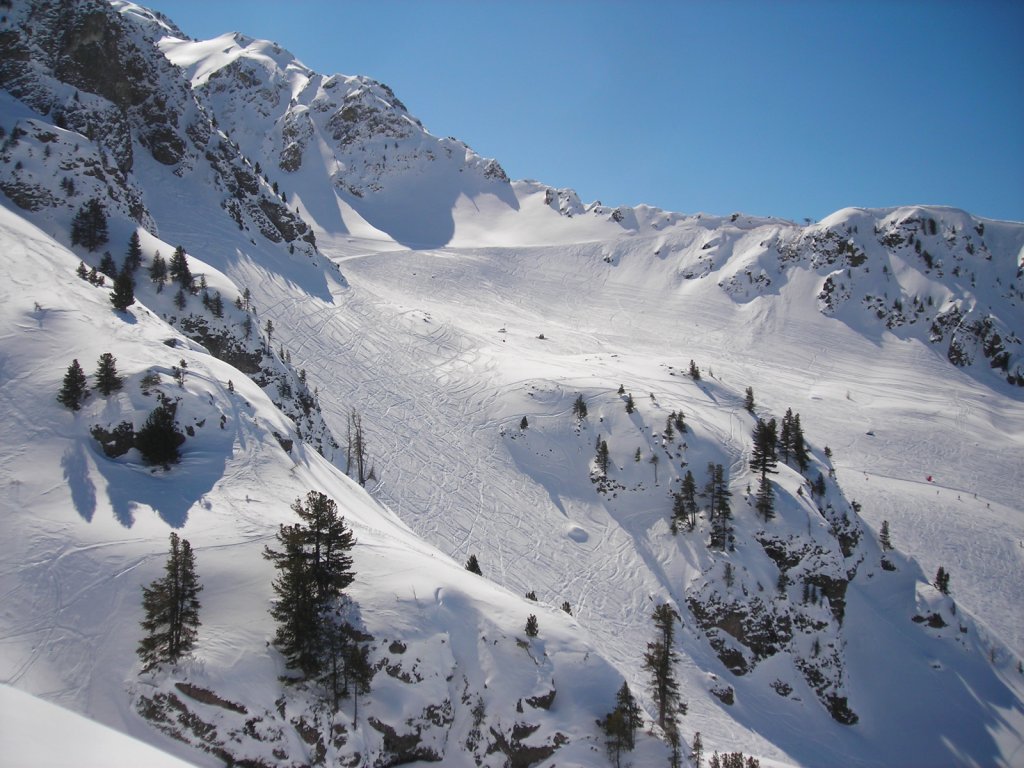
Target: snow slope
26, 738
469, 302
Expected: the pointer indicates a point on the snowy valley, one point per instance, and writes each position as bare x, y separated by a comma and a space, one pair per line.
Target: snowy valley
538, 381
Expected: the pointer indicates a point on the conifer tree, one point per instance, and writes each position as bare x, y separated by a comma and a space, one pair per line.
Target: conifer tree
133, 259
159, 439
532, 627
123, 295
942, 580
670, 432
314, 568
884, 538
765, 503
694, 371
524, 423
620, 725
630, 405
158, 271
107, 380
679, 422
473, 565
172, 607
786, 435
659, 660
75, 387
748, 401
763, 458
800, 453
107, 265
579, 408
89, 225
178, 268
602, 456
684, 508
716, 490
697, 750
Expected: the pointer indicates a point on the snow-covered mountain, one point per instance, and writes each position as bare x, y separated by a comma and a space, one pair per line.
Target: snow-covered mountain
347, 261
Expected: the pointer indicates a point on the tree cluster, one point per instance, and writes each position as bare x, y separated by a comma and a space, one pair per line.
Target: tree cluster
89, 225
791, 441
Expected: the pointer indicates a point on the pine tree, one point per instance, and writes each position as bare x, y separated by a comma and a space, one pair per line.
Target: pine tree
800, 454
178, 268
172, 608
697, 750
473, 565
765, 503
684, 508
356, 453
670, 432
678, 421
107, 380
89, 225
107, 265
123, 295
660, 660
694, 371
133, 259
524, 423
630, 405
159, 439
716, 490
654, 462
786, 435
314, 568
158, 271
602, 456
763, 458
884, 538
579, 408
532, 627
621, 724
942, 580
748, 401
82, 271
75, 387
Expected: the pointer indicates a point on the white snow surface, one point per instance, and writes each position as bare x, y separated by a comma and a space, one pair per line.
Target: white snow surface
27, 738
468, 302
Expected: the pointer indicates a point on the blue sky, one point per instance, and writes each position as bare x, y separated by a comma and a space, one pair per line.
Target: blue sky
791, 109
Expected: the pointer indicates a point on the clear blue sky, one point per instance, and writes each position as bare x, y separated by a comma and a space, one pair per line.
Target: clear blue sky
788, 108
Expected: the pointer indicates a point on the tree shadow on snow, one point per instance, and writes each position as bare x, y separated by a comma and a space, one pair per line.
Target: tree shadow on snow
76, 474
170, 491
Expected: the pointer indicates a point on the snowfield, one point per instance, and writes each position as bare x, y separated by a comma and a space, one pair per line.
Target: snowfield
461, 314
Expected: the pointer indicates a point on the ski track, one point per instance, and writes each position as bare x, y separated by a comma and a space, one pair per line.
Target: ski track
432, 362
